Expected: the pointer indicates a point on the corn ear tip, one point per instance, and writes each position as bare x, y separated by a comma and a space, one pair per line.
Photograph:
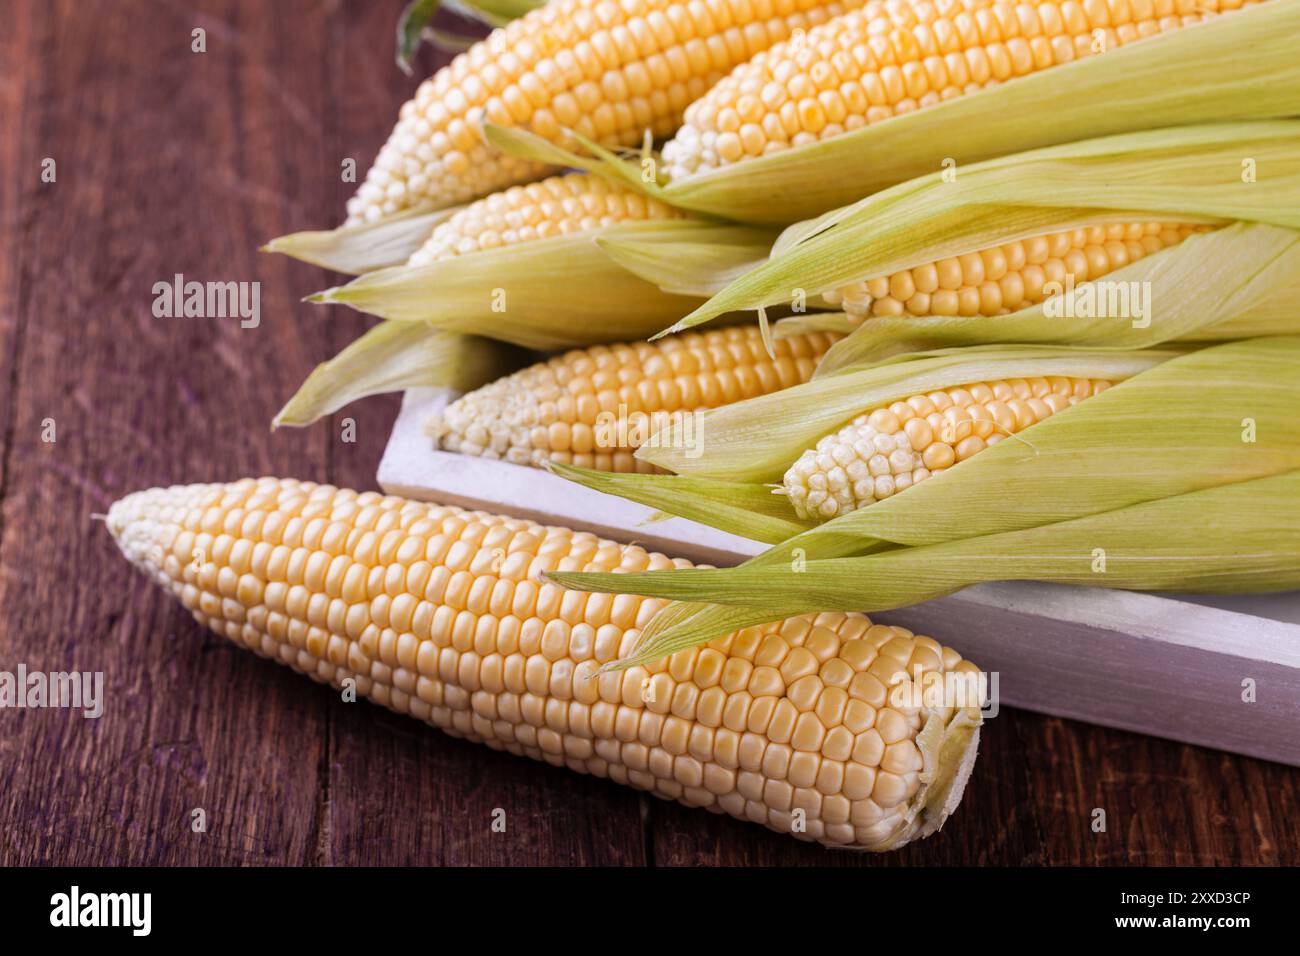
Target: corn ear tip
671, 330
573, 473
284, 418
765, 329
613, 667
561, 577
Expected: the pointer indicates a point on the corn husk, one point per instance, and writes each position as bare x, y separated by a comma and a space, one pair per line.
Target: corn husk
704, 260
746, 509
354, 250
1228, 539
1223, 416
394, 356
757, 440
562, 292
747, 445
1238, 282
1174, 427
416, 23
1239, 66
1192, 173
495, 13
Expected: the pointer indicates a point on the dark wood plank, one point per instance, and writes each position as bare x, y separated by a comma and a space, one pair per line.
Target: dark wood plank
1165, 804
22, 176
161, 169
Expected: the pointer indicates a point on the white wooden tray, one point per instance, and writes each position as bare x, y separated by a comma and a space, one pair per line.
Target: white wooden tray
1178, 668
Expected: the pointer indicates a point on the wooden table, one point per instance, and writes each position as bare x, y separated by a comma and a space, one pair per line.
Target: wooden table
169, 161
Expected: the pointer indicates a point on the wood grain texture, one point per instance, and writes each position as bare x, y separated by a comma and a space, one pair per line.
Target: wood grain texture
169, 162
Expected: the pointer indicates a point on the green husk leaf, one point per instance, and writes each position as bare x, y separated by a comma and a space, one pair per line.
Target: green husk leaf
1193, 173
1238, 66
678, 623
1177, 427
393, 356
1236, 282
562, 292
657, 517
758, 439
699, 265
680, 617
354, 250
415, 23
451, 41
638, 172
838, 322
1230, 539
749, 510
410, 28
495, 13
1236, 538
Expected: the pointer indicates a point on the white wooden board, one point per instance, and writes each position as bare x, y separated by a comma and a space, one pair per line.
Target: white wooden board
1176, 668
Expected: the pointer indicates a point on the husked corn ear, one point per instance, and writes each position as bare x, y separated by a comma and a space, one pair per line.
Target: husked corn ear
608, 70
805, 725
893, 56
594, 407
1012, 276
557, 206
887, 450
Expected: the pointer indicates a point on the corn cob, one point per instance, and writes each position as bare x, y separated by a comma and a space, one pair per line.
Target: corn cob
893, 56
1013, 276
887, 450
438, 613
594, 407
558, 206
607, 70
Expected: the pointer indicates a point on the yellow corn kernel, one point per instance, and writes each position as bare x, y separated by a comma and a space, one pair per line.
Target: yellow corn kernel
526, 686
1016, 275
887, 450
890, 57
594, 407
557, 206
609, 71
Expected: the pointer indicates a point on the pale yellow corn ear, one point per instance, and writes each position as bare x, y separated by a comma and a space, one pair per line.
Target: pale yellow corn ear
607, 70
814, 726
556, 206
1016, 275
594, 407
887, 450
892, 57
